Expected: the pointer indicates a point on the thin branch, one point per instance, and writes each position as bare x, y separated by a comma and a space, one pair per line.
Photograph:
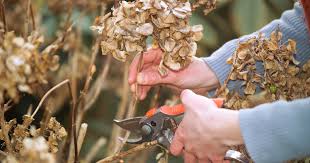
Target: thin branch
140, 65
91, 67
29, 110
80, 140
97, 87
32, 18
3, 16
136, 149
4, 128
91, 70
26, 25
70, 6
116, 130
73, 126
81, 136
116, 3
133, 105
46, 95
94, 149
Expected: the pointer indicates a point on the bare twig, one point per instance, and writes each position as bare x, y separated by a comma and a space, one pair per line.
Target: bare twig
80, 140
91, 70
121, 155
3, 16
133, 105
116, 130
29, 110
70, 6
97, 86
94, 150
73, 126
46, 95
26, 28
116, 3
4, 128
46, 118
32, 17
82, 134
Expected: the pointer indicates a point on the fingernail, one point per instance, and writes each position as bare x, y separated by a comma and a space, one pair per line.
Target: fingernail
140, 78
130, 80
142, 97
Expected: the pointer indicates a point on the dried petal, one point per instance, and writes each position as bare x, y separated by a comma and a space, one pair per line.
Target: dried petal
145, 29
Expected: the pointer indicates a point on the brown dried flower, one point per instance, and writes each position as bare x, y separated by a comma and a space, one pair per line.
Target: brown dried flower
125, 30
22, 64
282, 78
35, 151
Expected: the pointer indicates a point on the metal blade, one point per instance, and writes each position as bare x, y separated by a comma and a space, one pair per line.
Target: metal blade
130, 124
135, 141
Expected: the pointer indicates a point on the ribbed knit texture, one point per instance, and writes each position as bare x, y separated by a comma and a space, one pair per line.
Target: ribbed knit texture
279, 131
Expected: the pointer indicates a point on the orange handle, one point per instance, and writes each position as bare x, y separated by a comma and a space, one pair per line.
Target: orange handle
178, 109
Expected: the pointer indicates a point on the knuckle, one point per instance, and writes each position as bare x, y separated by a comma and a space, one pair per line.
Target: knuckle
189, 148
201, 156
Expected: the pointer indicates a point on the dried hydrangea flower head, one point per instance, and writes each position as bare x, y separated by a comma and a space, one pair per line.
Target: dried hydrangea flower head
125, 30
282, 78
22, 65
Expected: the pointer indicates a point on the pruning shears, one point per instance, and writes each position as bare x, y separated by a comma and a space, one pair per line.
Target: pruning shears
160, 124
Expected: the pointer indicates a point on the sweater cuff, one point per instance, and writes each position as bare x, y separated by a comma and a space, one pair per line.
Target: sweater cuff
251, 129
217, 61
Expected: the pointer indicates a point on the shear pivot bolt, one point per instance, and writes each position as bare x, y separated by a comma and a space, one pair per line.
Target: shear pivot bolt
146, 129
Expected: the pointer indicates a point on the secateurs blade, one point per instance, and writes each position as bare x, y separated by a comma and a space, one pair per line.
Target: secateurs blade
160, 124
157, 124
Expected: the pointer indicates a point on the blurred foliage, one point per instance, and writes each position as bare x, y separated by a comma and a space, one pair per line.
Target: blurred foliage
231, 19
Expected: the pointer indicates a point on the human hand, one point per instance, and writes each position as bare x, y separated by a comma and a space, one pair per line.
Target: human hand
206, 131
197, 76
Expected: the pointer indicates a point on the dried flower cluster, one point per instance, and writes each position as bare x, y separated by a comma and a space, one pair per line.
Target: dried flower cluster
35, 151
22, 65
125, 30
282, 78
53, 133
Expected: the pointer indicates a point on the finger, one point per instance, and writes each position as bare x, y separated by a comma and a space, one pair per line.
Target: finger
189, 158
217, 161
177, 143
217, 158
188, 98
133, 88
149, 78
151, 56
144, 91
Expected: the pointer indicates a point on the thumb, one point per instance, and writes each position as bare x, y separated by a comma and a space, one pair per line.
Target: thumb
177, 144
190, 100
194, 101
187, 96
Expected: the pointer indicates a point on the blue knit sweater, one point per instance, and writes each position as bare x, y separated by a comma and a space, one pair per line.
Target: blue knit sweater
281, 130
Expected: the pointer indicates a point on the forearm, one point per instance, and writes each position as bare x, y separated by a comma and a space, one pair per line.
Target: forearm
278, 131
